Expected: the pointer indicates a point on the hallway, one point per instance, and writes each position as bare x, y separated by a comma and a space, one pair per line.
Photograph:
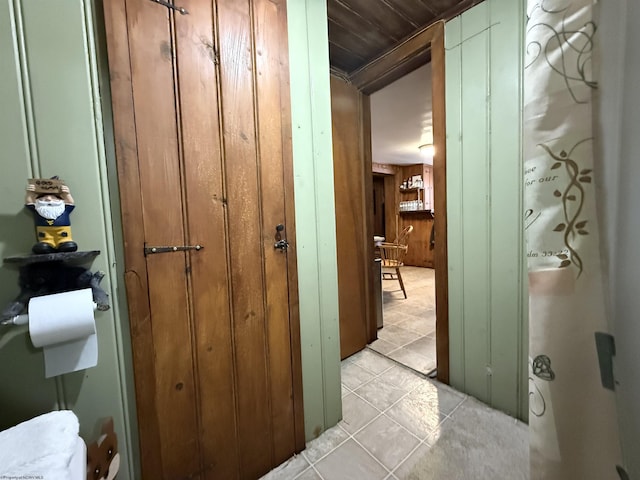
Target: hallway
397, 425
408, 335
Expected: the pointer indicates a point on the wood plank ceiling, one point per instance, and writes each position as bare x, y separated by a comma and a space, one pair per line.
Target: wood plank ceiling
362, 30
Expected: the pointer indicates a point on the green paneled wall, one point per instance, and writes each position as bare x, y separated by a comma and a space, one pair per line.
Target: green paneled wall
315, 214
487, 289
51, 124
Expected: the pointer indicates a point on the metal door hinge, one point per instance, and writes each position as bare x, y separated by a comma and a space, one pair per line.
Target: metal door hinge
151, 250
182, 10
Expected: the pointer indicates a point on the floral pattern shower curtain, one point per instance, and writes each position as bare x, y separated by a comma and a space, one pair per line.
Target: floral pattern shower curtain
573, 429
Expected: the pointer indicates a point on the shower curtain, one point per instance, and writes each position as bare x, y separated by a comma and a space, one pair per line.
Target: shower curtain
572, 417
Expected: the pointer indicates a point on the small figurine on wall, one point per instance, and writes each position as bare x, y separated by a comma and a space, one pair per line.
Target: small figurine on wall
103, 459
51, 203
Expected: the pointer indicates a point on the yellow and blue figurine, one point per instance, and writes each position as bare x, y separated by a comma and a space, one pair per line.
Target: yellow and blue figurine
51, 215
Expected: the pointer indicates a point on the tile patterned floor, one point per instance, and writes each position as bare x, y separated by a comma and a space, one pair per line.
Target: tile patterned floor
409, 332
398, 425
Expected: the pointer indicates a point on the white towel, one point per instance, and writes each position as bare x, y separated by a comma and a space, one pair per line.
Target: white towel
41, 447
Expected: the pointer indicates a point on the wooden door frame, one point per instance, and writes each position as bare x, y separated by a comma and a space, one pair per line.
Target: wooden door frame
136, 275
415, 51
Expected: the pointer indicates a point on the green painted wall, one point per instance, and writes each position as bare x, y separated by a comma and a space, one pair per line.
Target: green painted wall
51, 124
56, 120
487, 287
315, 213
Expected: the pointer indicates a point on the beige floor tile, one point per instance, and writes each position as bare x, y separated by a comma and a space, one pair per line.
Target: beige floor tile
356, 413
387, 441
443, 397
422, 410
422, 326
403, 378
425, 346
396, 315
407, 320
409, 469
309, 474
380, 394
330, 439
354, 375
372, 361
416, 417
413, 360
345, 391
350, 462
382, 346
397, 336
486, 444
289, 469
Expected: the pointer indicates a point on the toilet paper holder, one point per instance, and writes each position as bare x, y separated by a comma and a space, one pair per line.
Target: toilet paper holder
23, 319
21, 324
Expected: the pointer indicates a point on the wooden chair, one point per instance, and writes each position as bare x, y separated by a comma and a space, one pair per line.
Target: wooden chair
392, 255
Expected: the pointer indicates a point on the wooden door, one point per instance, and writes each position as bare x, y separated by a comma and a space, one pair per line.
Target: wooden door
203, 145
351, 134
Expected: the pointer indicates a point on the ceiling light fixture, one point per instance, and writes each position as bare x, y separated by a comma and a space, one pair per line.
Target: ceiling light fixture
427, 150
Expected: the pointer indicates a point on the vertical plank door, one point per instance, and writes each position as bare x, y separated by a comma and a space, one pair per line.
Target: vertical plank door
203, 145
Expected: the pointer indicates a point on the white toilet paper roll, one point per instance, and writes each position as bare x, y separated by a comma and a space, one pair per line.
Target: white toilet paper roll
64, 325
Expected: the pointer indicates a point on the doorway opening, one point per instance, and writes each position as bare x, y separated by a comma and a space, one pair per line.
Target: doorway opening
353, 174
402, 161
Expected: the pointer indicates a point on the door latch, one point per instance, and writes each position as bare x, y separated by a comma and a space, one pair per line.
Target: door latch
183, 248
281, 243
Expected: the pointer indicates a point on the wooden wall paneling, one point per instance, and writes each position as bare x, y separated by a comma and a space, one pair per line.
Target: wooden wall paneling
379, 214
383, 168
349, 176
391, 206
419, 239
418, 253
427, 177
410, 170
204, 198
